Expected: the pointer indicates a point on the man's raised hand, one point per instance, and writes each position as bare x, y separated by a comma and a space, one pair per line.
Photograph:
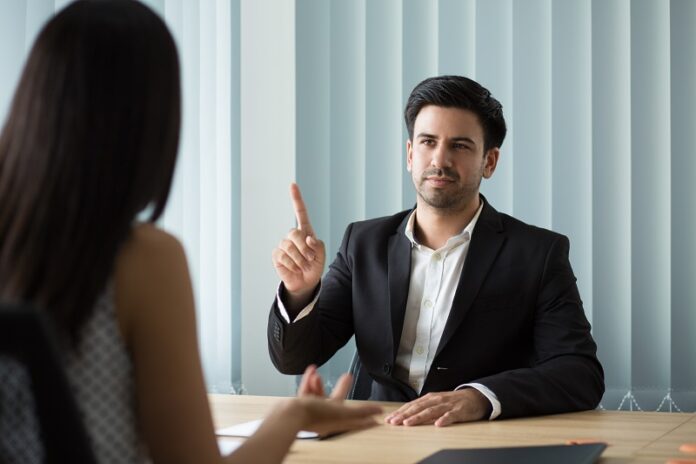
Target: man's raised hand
299, 258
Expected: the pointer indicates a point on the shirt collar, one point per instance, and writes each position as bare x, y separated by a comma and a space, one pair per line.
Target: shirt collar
453, 241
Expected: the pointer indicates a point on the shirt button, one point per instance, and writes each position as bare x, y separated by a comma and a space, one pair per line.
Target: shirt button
428, 304
436, 256
419, 350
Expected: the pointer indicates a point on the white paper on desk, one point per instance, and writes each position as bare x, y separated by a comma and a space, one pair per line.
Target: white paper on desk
228, 447
247, 429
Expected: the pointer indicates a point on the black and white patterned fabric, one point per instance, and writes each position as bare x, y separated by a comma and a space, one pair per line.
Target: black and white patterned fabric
100, 372
19, 428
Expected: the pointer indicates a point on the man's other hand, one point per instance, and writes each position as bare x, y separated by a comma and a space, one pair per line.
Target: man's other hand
442, 409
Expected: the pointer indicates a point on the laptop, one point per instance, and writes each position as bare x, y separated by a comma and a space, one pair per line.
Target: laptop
549, 454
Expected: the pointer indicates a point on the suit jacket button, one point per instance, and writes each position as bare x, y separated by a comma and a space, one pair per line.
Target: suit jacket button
387, 368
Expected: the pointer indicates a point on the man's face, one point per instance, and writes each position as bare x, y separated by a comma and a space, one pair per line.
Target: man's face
446, 158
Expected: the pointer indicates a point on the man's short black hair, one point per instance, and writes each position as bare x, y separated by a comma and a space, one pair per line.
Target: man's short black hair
459, 92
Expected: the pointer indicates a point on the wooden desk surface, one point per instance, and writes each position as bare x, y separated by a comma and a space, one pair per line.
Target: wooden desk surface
640, 437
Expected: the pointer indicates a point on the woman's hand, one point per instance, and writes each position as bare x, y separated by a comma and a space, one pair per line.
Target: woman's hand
312, 385
329, 416
326, 415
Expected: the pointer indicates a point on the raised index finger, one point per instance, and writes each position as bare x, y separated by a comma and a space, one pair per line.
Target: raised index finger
301, 214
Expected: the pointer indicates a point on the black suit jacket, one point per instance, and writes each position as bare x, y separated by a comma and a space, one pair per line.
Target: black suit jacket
516, 324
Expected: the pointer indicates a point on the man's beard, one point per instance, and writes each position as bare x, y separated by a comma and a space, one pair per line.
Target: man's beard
452, 198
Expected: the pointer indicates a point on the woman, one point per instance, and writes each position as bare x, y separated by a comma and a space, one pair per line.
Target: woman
90, 143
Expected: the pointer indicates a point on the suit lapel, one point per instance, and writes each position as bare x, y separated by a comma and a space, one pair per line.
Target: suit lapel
486, 242
399, 273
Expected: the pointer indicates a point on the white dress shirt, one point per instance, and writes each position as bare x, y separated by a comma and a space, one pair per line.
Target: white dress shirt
434, 279
435, 276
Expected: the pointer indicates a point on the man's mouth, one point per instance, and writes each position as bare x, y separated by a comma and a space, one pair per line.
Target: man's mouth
439, 181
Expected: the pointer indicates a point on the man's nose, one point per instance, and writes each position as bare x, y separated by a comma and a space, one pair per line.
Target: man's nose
441, 157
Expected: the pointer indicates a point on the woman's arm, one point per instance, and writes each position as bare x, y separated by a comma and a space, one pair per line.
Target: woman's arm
155, 308
155, 305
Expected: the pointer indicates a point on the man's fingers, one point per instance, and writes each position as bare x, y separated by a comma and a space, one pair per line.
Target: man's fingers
446, 419
291, 249
406, 412
394, 419
314, 245
343, 385
441, 409
427, 416
306, 244
398, 416
301, 214
414, 407
282, 260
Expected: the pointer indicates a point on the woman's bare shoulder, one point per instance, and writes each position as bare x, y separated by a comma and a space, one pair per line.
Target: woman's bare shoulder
150, 268
148, 241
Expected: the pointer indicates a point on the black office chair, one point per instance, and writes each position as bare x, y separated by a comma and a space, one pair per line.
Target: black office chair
27, 336
362, 382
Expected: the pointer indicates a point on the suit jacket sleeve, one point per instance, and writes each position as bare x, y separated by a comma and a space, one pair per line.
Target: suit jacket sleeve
316, 337
565, 374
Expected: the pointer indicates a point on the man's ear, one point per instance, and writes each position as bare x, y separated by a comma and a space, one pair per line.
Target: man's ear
409, 154
490, 161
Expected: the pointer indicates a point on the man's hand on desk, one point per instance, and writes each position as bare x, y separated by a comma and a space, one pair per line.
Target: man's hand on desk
442, 409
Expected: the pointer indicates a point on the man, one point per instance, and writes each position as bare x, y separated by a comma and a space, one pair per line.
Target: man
460, 311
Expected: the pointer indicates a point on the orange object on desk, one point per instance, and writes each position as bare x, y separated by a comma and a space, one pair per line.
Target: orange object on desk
584, 441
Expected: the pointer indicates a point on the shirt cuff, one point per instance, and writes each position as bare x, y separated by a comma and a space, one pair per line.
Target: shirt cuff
305, 311
488, 393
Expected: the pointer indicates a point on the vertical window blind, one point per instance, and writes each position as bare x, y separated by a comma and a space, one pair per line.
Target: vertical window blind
600, 101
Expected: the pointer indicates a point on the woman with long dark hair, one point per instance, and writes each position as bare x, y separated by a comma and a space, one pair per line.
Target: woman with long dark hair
90, 143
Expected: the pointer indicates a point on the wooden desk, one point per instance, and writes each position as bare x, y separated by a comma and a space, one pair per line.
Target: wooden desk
634, 437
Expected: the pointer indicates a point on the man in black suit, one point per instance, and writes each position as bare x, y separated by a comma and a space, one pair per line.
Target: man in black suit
462, 312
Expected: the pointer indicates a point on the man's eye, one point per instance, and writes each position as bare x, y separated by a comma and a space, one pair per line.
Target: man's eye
461, 146
428, 142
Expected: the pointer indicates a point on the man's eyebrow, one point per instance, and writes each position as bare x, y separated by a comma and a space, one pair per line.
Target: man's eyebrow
464, 139
426, 135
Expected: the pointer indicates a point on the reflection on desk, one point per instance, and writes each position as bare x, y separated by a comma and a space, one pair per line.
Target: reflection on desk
640, 437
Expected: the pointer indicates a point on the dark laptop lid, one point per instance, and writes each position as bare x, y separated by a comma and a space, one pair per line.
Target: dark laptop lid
552, 454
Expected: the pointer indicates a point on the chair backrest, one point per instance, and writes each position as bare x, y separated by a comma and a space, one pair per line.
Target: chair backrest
26, 335
362, 382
